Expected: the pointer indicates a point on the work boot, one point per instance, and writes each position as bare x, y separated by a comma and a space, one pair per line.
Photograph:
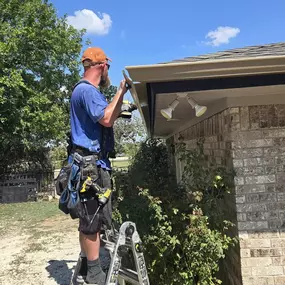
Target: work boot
82, 273
95, 274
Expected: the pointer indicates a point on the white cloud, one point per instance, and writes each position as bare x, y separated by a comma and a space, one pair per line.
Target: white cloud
94, 24
222, 35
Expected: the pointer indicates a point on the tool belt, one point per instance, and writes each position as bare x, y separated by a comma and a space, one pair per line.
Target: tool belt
84, 152
77, 182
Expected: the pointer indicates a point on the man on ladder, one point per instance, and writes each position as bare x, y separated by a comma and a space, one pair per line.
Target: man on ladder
92, 141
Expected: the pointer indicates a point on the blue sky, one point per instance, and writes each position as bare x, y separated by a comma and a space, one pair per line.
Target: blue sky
154, 31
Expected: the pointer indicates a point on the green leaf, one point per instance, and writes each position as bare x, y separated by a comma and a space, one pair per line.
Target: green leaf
184, 237
175, 211
39, 53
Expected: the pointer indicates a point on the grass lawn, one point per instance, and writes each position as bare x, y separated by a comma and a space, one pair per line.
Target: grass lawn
27, 214
120, 164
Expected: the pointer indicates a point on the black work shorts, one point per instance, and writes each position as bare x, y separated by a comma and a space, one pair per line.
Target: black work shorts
103, 219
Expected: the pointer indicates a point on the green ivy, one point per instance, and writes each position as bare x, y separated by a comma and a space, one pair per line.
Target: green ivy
182, 227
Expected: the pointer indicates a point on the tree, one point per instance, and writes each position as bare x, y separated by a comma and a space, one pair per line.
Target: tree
39, 59
109, 92
128, 133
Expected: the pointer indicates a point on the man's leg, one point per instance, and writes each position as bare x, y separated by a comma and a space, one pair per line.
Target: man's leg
90, 244
81, 276
89, 236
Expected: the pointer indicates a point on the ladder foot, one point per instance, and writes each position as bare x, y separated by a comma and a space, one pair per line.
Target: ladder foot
114, 250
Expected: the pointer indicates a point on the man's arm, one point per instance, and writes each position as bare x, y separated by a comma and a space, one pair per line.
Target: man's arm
113, 110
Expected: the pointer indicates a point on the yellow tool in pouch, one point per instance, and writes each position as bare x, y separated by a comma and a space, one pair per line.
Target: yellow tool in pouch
86, 185
103, 198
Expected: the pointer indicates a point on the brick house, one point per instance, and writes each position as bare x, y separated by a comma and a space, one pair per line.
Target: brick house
244, 129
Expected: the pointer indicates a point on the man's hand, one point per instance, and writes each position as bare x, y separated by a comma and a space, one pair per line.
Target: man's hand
114, 108
123, 87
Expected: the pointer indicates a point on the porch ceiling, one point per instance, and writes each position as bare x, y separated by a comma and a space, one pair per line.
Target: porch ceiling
152, 97
215, 100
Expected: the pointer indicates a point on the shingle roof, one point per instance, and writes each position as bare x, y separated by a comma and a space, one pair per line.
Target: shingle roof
273, 49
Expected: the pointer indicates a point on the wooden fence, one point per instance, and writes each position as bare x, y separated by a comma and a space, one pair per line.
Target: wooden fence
23, 187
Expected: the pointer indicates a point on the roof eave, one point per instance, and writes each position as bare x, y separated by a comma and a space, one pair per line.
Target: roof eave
207, 69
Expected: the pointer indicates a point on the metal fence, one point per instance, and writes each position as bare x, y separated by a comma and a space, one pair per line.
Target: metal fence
23, 187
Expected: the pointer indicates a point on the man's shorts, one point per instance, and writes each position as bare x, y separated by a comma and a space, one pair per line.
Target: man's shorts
103, 219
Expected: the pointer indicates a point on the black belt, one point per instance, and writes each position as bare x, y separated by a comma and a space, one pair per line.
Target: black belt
82, 150
85, 152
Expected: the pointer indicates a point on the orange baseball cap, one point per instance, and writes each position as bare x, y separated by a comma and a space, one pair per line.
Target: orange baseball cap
95, 54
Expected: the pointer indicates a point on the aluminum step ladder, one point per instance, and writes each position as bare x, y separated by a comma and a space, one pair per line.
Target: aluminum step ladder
119, 245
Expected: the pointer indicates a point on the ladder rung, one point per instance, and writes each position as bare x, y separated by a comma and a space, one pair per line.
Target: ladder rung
111, 245
129, 276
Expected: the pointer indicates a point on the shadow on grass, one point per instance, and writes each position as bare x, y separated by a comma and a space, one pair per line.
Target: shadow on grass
60, 272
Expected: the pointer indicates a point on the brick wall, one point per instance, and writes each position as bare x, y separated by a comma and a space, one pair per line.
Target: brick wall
251, 140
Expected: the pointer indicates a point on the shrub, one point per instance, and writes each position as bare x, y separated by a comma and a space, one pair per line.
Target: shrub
181, 226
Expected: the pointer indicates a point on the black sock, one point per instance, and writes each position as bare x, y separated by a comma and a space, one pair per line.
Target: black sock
94, 266
95, 273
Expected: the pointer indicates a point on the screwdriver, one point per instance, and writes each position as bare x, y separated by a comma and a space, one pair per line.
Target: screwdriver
102, 200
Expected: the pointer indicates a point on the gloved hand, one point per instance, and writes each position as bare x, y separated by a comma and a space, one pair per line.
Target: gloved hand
127, 109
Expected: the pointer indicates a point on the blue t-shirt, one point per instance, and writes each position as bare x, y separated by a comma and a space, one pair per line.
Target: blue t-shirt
87, 106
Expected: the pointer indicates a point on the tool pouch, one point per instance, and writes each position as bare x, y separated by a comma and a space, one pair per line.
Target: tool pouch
77, 212
85, 226
62, 179
69, 201
89, 168
63, 201
106, 214
70, 204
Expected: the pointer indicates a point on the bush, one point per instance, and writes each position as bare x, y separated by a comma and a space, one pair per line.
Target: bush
181, 226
